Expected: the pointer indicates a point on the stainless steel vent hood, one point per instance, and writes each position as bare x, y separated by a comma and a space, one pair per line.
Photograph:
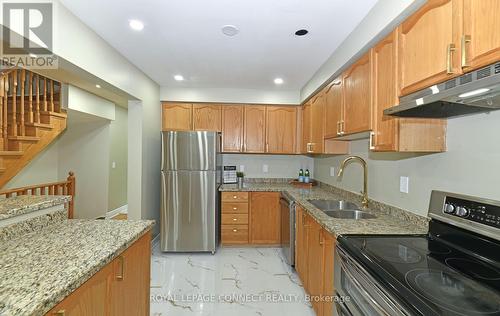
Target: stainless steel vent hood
477, 91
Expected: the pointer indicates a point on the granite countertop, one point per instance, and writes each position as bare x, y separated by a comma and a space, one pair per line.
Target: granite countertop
39, 269
23, 204
389, 220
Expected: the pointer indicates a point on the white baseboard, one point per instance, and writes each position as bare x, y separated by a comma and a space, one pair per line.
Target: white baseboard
121, 210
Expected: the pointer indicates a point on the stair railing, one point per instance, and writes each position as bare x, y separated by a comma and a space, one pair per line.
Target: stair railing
66, 187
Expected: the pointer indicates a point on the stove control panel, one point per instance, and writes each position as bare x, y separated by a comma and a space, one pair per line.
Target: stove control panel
473, 211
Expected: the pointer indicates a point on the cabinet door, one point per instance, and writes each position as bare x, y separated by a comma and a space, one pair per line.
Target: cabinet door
177, 117
315, 264
207, 117
306, 128
328, 285
91, 298
265, 218
255, 129
481, 36
429, 43
301, 241
317, 123
281, 129
357, 96
385, 130
232, 128
333, 108
131, 279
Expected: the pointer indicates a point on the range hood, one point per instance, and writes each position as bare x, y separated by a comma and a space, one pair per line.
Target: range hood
477, 91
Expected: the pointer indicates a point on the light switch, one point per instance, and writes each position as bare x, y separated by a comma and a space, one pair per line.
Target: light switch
404, 183
242, 168
332, 172
265, 168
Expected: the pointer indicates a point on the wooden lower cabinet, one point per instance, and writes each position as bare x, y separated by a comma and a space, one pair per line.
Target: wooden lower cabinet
251, 218
314, 261
265, 218
119, 288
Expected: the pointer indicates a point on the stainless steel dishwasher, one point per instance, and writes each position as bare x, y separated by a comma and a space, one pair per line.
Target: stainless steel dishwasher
287, 205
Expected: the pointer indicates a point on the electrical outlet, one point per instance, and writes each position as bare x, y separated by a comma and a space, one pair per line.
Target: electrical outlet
242, 168
265, 168
113, 165
404, 183
332, 172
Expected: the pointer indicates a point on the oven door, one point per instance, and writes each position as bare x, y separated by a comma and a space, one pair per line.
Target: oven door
358, 294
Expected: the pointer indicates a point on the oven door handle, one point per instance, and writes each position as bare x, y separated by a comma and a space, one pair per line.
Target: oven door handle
363, 291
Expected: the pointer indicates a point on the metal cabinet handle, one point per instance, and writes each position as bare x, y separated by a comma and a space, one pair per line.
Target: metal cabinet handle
61, 312
235, 208
235, 196
449, 58
372, 135
321, 241
342, 126
466, 39
338, 128
121, 260
235, 219
235, 230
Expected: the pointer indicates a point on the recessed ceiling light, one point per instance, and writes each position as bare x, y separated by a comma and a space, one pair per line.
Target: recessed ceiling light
98, 86
230, 30
178, 77
473, 92
136, 25
278, 81
301, 32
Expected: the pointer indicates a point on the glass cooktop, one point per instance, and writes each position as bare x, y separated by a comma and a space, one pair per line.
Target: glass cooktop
431, 276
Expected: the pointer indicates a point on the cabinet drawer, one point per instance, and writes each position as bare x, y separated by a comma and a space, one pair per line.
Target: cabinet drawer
234, 196
232, 219
234, 234
235, 208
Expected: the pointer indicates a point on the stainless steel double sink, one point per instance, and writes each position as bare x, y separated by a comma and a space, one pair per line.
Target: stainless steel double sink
341, 209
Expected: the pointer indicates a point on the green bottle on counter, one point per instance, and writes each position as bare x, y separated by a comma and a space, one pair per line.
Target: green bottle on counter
301, 175
306, 176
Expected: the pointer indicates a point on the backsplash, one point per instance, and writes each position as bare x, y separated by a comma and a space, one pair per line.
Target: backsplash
279, 166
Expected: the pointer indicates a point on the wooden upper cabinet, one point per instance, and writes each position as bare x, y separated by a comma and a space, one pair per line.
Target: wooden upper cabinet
481, 36
265, 218
317, 123
281, 129
207, 117
333, 109
306, 127
429, 44
385, 93
232, 128
357, 96
255, 129
177, 116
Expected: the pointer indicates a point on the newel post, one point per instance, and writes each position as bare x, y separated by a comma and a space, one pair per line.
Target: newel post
71, 191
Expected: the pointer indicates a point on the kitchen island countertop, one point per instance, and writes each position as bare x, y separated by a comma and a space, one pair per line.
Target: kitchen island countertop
39, 269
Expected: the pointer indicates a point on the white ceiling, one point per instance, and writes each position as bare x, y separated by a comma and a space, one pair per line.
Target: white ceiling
184, 37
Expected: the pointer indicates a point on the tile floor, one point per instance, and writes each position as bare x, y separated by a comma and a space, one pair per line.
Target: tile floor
234, 281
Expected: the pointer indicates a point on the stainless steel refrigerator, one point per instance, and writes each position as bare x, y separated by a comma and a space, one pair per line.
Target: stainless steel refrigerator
190, 178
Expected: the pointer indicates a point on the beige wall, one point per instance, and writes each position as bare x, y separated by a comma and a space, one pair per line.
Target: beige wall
118, 154
470, 166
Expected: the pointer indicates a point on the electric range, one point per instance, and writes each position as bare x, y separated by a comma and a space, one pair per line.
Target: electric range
453, 270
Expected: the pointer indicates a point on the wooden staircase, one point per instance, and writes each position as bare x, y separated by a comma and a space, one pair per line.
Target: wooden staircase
31, 117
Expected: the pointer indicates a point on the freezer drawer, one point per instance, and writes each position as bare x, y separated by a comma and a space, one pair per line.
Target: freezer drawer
189, 215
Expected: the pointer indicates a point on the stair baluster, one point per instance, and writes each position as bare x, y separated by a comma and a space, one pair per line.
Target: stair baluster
45, 107
22, 127
13, 125
52, 96
37, 98
30, 97
2, 84
5, 111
